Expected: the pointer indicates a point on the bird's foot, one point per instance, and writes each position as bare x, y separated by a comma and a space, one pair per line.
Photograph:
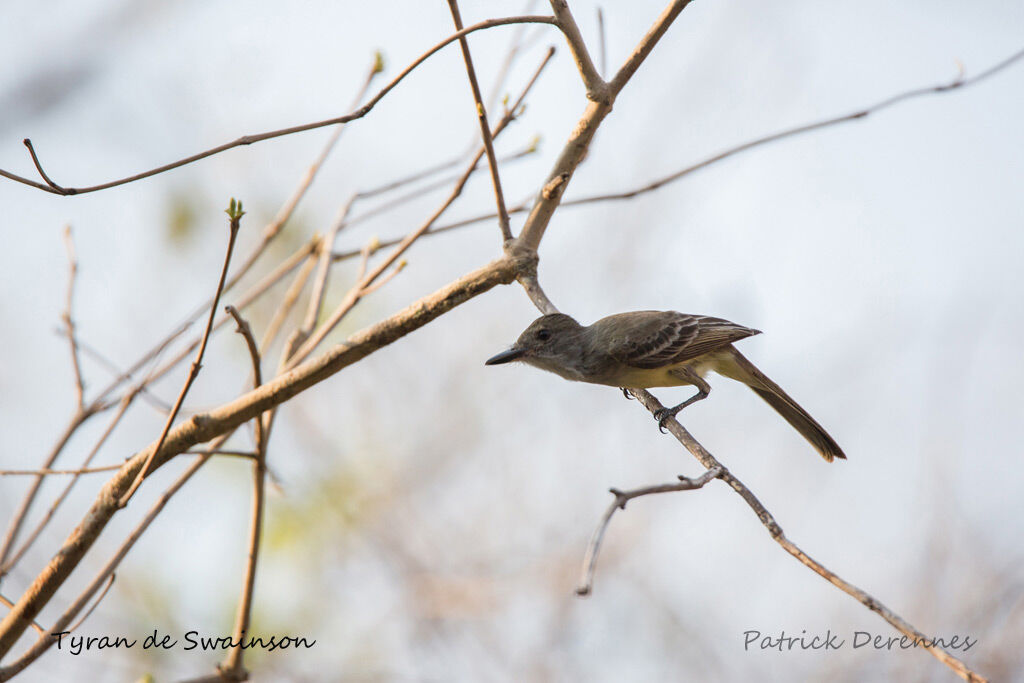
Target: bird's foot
625, 392
662, 415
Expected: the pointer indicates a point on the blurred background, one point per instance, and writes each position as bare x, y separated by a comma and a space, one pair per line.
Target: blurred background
430, 514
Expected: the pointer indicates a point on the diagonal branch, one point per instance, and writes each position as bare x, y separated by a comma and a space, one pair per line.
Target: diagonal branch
621, 498
895, 620
205, 426
47, 639
576, 146
485, 128
53, 188
597, 89
69, 321
233, 667
235, 214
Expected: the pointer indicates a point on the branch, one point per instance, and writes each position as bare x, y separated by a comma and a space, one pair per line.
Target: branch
862, 113
69, 322
485, 128
576, 147
235, 214
53, 188
233, 666
5, 566
597, 89
205, 426
895, 620
46, 641
621, 498
46, 472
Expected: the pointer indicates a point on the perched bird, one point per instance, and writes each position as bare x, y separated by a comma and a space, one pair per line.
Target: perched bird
645, 349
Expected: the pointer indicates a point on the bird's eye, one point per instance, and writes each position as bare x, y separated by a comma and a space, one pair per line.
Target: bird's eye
543, 335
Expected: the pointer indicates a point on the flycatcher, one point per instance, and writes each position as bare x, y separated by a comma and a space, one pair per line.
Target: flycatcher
645, 349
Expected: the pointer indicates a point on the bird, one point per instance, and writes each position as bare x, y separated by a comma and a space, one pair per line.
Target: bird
646, 349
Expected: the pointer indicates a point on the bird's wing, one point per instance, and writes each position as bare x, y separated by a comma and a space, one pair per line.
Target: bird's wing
652, 339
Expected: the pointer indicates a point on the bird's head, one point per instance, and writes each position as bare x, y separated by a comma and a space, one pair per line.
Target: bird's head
545, 343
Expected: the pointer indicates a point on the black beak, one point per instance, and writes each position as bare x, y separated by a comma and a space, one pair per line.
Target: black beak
505, 356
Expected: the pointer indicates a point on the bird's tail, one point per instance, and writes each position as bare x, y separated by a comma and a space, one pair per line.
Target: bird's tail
737, 367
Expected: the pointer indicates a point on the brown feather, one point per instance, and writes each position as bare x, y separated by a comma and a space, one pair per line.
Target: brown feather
661, 338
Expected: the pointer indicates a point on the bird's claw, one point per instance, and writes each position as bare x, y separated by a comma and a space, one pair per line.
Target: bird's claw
625, 392
662, 415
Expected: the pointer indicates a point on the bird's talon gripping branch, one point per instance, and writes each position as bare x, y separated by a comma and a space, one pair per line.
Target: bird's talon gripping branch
625, 392
662, 415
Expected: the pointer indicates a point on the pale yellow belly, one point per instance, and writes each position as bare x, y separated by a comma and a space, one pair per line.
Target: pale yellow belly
639, 378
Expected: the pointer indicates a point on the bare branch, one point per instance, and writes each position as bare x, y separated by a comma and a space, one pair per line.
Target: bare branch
46, 472
586, 584
601, 35
69, 322
99, 599
859, 114
646, 44
597, 89
235, 214
53, 188
291, 297
485, 128
316, 299
233, 665
710, 462
576, 146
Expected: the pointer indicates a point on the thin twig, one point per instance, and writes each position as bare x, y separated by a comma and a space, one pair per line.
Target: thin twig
895, 620
601, 40
411, 178
87, 349
248, 455
398, 268
233, 665
95, 604
288, 302
69, 321
234, 223
316, 298
586, 584
515, 48
485, 127
46, 472
862, 113
39, 169
53, 188
426, 189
